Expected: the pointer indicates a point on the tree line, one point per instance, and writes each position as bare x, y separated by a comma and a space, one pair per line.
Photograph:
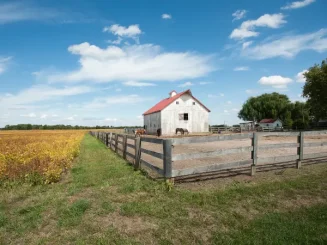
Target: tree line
59, 127
293, 114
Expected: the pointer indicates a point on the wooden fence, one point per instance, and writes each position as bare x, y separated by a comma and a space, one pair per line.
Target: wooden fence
119, 144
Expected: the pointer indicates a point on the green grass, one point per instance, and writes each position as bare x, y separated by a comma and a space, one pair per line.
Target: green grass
104, 201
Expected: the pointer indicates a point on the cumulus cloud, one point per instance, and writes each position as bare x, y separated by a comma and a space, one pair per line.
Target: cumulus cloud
166, 16
204, 83
239, 14
297, 4
122, 31
4, 63
288, 46
275, 81
247, 28
300, 77
246, 44
136, 62
138, 84
241, 68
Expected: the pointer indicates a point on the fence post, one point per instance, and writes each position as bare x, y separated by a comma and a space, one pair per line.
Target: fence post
116, 143
167, 162
107, 139
300, 140
254, 155
124, 146
137, 153
110, 139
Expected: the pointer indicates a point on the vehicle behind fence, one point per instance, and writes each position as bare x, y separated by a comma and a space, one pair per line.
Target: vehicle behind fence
158, 154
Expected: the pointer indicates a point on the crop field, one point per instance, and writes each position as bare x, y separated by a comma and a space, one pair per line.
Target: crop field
37, 156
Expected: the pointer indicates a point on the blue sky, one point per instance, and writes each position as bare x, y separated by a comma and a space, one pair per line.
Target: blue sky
107, 62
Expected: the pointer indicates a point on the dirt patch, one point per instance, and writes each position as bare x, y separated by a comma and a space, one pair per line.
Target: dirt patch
125, 224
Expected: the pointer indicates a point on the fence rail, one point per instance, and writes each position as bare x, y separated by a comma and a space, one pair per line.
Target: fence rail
118, 143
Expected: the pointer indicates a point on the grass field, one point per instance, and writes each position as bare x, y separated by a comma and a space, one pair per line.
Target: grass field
102, 200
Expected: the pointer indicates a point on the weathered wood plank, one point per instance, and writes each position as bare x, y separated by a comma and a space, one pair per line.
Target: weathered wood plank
274, 146
120, 142
300, 141
131, 137
322, 132
205, 139
277, 159
197, 155
130, 154
137, 153
152, 140
262, 134
254, 153
124, 146
154, 168
314, 144
314, 155
130, 145
210, 168
116, 143
167, 162
152, 153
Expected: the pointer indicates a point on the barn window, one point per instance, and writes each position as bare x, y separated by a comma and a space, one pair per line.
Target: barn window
177, 102
193, 103
183, 116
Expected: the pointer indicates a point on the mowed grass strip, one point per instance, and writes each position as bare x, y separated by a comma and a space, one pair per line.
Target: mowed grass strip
104, 201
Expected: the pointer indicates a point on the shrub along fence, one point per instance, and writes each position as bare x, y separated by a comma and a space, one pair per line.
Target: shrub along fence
119, 144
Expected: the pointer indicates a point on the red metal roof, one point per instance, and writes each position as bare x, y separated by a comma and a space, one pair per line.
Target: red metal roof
270, 120
166, 102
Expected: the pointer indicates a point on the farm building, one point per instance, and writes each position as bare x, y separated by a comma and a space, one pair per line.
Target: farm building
179, 110
271, 123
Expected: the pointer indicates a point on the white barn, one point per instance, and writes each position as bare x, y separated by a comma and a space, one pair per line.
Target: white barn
179, 110
271, 123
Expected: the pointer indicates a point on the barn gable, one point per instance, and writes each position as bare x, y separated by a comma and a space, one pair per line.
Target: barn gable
166, 102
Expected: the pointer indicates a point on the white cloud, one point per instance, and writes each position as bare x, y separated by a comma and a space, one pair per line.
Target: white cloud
4, 62
122, 31
40, 93
116, 42
275, 81
226, 111
298, 4
204, 83
288, 46
137, 62
241, 68
118, 90
138, 84
166, 16
104, 102
247, 28
300, 78
222, 95
54, 115
43, 116
239, 14
28, 115
246, 44
236, 109
229, 102
186, 84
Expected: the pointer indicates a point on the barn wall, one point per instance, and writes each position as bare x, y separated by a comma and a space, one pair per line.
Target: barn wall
152, 122
197, 116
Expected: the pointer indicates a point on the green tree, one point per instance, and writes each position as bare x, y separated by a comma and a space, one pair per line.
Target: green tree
315, 90
272, 105
300, 115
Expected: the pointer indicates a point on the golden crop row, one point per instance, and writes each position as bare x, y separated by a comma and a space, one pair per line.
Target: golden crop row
38, 156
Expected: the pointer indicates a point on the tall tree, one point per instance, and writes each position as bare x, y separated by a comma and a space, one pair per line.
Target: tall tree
272, 105
315, 89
